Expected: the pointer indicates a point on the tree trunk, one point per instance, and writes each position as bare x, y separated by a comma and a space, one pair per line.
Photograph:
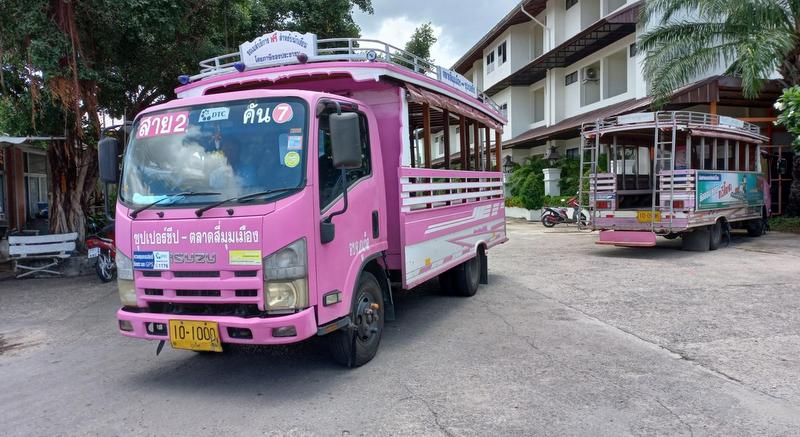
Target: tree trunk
73, 167
793, 204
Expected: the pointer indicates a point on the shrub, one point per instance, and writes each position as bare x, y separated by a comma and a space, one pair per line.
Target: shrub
785, 224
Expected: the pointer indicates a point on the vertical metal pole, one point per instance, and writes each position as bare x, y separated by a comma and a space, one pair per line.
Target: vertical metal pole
727, 153
426, 134
497, 140
714, 157
702, 165
446, 137
463, 139
477, 133
736, 157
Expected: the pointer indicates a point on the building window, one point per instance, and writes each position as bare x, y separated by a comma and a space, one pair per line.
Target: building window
490, 62
501, 54
571, 78
504, 110
633, 50
615, 76
538, 105
571, 3
573, 153
35, 179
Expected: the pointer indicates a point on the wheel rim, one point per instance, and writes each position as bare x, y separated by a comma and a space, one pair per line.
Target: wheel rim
367, 318
104, 265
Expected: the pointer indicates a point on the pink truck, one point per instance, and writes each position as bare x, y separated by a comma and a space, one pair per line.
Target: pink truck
292, 187
674, 174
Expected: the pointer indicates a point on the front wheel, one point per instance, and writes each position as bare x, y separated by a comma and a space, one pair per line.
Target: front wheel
357, 344
549, 219
105, 267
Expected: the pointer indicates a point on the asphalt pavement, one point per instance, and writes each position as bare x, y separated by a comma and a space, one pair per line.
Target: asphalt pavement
569, 338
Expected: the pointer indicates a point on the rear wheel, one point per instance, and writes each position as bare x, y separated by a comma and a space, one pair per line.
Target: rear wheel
358, 344
715, 239
466, 277
696, 240
755, 228
105, 267
549, 219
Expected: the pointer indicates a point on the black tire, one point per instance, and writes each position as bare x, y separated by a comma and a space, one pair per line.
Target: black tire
696, 240
672, 236
715, 239
545, 222
466, 277
357, 344
583, 221
105, 267
755, 228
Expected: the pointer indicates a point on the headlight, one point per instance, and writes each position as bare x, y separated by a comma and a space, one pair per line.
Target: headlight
286, 278
127, 292
124, 266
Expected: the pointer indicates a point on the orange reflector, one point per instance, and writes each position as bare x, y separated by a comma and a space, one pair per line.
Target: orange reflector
604, 204
677, 204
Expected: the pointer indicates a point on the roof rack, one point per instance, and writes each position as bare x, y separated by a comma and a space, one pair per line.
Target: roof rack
346, 49
686, 119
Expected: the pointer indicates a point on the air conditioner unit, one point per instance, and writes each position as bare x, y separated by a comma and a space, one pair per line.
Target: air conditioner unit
590, 74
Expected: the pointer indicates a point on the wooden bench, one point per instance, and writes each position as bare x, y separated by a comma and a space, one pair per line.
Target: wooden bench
25, 251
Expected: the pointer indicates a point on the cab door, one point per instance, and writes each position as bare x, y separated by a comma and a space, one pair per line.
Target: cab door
358, 229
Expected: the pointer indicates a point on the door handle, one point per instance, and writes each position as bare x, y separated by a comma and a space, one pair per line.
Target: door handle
376, 228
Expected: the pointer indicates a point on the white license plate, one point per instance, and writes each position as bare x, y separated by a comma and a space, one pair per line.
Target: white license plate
94, 252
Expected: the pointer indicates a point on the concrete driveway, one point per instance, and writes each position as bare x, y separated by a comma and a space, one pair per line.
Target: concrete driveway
569, 338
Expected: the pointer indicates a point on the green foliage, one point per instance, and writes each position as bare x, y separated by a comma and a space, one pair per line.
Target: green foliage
556, 200
785, 224
526, 183
789, 106
755, 38
421, 41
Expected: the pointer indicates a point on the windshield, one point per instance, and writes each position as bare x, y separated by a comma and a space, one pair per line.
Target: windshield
227, 149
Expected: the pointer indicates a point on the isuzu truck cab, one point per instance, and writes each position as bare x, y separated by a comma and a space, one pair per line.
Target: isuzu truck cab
293, 186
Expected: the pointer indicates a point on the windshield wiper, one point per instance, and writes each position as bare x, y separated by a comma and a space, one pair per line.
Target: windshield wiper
247, 197
136, 211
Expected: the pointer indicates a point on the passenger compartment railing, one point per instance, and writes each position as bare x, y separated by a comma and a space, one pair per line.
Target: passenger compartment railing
427, 189
347, 49
687, 119
603, 188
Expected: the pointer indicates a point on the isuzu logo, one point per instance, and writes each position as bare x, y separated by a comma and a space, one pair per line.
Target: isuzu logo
194, 258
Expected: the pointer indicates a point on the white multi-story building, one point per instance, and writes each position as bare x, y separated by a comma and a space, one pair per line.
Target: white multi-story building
554, 64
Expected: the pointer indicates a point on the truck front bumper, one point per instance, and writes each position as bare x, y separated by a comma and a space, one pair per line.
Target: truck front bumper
304, 323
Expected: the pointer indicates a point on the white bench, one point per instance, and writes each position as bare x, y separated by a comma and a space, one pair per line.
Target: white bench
55, 247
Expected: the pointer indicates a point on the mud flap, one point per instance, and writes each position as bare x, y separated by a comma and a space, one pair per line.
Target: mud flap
484, 267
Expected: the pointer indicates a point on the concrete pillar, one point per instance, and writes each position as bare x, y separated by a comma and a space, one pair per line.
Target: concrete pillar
551, 178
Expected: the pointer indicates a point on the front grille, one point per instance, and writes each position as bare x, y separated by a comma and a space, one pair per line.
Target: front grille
245, 273
197, 293
197, 274
192, 309
246, 293
151, 273
153, 292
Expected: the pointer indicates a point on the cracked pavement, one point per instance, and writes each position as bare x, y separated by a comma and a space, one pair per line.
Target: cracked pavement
569, 338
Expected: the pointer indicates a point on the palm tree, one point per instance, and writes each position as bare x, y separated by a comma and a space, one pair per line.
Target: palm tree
754, 39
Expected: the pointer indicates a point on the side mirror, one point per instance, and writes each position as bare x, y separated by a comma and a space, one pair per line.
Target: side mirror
107, 151
345, 140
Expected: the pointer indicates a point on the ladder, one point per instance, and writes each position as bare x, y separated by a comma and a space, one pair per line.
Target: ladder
588, 172
664, 139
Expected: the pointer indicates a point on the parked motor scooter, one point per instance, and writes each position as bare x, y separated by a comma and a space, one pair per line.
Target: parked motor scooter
101, 246
552, 216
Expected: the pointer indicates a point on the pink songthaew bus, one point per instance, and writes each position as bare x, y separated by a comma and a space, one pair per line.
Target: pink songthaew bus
674, 174
293, 186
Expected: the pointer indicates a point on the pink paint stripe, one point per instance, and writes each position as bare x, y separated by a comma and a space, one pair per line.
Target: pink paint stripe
409, 172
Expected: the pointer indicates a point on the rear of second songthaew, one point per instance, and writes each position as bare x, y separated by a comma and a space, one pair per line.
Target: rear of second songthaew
269, 205
673, 174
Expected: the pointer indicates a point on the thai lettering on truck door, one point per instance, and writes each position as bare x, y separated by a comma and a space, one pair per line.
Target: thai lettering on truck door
342, 257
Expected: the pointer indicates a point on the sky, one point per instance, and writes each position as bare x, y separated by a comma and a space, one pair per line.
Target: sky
458, 24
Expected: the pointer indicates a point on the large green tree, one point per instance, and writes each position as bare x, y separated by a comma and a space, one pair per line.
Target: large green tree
63, 62
752, 39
